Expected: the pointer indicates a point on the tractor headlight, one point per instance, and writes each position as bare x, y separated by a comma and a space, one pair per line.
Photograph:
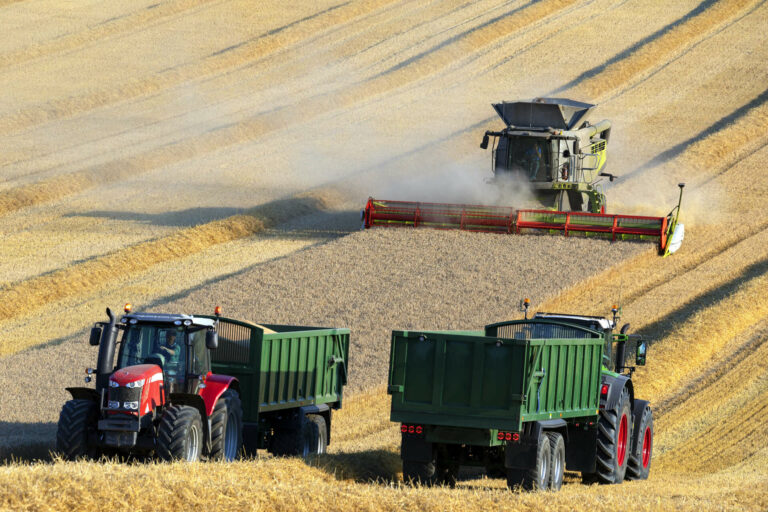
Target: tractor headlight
113, 404
131, 405
135, 384
113, 384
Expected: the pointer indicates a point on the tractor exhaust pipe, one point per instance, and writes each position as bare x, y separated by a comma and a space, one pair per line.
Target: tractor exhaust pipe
106, 359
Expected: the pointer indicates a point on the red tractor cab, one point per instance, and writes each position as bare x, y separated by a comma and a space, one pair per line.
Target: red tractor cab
160, 396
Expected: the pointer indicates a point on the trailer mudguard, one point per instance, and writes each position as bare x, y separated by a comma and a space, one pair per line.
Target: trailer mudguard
84, 394
416, 449
215, 386
580, 449
522, 454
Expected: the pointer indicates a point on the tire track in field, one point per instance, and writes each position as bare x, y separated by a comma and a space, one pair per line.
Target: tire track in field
103, 30
227, 58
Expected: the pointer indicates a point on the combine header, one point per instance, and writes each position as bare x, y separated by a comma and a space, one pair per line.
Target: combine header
561, 166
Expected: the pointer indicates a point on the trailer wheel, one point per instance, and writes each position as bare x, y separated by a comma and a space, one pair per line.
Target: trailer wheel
316, 437
557, 464
639, 465
419, 472
536, 478
613, 441
311, 438
180, 434
76, 431
227, 427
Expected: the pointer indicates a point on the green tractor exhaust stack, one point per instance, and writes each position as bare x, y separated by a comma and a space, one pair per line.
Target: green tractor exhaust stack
525, 399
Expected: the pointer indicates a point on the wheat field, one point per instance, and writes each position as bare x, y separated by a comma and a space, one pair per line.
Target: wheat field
184, 154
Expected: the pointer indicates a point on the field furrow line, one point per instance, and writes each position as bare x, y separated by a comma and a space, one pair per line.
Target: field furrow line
29, 295
712, 376
656, 52
249, 129
103, 30
225, 59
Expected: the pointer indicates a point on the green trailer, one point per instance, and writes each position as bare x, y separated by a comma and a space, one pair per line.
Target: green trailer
525, 399
182, 387
289, 376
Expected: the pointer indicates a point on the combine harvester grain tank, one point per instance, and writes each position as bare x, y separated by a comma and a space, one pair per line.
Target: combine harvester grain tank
561, 164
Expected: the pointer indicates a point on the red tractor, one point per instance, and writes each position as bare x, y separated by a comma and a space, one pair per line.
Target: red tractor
160, 397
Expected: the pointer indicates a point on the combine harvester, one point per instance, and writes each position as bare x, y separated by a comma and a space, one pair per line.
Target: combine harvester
561, 164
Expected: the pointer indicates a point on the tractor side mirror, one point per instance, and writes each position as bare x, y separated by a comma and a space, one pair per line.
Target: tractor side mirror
484, 144
211, 339
640, 353
95, 336
610, 176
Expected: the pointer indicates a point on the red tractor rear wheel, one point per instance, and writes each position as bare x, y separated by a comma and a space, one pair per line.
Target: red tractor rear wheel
226, 427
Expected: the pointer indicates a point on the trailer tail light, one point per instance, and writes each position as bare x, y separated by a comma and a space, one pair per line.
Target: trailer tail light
604, 390
508, 436
411, 429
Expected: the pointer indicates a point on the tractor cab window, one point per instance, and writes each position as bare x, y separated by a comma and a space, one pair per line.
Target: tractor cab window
164, 346
526, 156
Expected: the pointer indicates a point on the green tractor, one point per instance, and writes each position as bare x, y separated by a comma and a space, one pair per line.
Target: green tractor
542, 147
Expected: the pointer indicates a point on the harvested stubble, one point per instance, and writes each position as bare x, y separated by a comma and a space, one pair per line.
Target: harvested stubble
371, 282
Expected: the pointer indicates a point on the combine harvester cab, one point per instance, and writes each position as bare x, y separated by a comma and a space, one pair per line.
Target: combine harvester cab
525, 399
186, 387
541, 147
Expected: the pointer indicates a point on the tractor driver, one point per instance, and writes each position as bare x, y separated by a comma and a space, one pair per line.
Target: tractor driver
171, 351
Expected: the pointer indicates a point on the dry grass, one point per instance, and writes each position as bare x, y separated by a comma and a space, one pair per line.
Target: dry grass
705, 372
34, 293
360, 473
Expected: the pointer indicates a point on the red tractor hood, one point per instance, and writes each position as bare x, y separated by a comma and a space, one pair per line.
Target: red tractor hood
148, 372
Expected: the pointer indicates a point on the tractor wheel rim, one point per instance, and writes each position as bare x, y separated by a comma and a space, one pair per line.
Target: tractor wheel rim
647, 444
193, 444
230, 438
621, 445
543, 472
